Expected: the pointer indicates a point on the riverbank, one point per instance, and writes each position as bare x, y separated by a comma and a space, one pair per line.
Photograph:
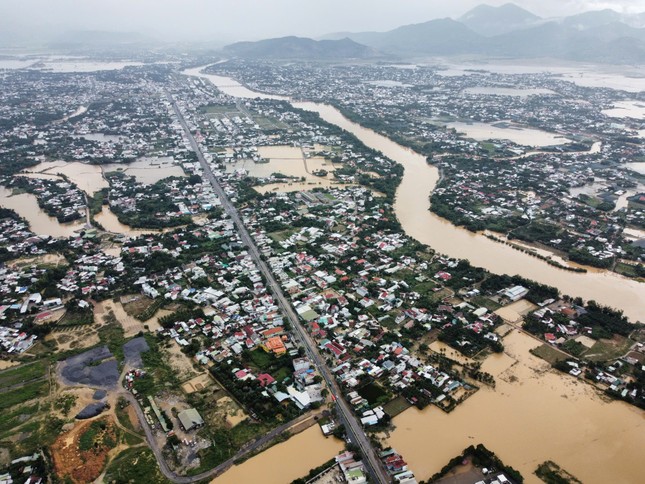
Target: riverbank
411, 207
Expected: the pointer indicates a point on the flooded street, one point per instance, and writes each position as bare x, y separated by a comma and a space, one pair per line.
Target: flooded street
533, 415
412, 204
286, 461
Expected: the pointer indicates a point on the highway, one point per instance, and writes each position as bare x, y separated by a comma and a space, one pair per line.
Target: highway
353, 428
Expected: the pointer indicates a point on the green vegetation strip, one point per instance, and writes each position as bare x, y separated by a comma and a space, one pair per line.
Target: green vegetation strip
22, 373
552, 473
23, 394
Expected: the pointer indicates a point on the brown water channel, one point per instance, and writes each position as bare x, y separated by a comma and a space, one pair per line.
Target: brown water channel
412, 203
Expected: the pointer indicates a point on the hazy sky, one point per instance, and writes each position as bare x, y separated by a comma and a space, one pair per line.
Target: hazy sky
229, 20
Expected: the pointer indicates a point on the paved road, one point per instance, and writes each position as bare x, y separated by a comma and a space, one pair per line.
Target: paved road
353, 427
215, 471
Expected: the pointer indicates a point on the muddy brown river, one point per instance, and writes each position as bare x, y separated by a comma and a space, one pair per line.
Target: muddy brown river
412, 204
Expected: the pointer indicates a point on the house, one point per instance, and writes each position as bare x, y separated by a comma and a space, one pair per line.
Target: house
515, 293
274, 345
190, 419
265, 379
149, 291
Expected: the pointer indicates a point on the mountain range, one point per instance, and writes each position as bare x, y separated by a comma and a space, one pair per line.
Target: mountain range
507, 31
300, 48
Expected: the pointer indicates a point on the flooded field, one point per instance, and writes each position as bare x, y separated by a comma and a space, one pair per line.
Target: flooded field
521, 136
88, 178
289, 161
100, 137
86, 66
286, 461
626, 78
637, 167
26, 205
627, 109
507, 91
148, 169
387, 83
533, 415
110, 222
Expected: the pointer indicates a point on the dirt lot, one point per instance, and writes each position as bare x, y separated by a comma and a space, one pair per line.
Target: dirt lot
198, 383
224, 413
83, 398
74, 338
81, 453
182, 364
131, 325
47, 259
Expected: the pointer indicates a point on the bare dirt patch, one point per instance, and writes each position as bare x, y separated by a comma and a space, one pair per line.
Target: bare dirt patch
83, 398
47, 259
197, 384
225, 412
74, 338
131, 325
4, 364
180, 362
81, 453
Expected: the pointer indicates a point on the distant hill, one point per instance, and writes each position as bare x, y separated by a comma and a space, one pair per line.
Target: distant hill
512, 32
441, 36
490, 21
301, 48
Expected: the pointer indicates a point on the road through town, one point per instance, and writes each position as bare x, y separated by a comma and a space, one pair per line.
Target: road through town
353, 428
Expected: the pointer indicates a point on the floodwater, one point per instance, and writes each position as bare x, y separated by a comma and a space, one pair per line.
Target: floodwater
412, 204
533, 415
26, 205
86, 66
627, 109
387, 83
147, 169
507, 91
521, 136
636, 166
110, 223
88, 178
286, 461
287, 160
100, 137
630, 78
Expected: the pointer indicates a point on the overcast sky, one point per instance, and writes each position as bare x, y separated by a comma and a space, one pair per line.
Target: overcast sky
231, 20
